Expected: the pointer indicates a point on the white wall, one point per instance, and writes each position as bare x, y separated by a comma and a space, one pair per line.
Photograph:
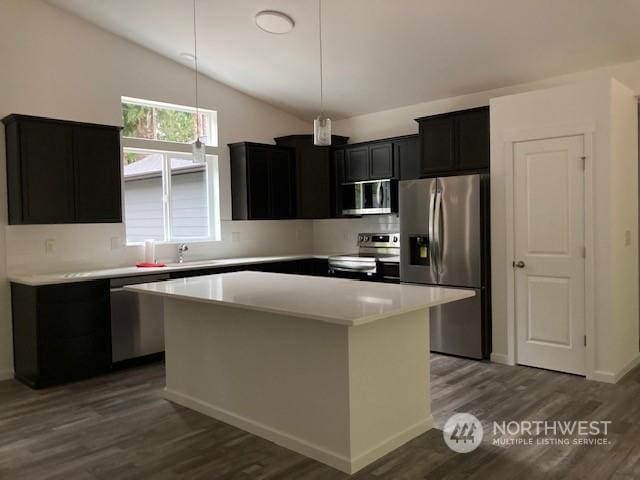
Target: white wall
610, 109
57, 65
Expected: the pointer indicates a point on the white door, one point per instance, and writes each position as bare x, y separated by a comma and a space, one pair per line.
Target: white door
549, 253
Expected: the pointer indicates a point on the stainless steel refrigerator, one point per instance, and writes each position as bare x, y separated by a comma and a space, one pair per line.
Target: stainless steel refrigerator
444, 235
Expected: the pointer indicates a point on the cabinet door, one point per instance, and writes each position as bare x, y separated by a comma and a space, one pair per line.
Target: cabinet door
47, 173
407, 155
381, 155
337, 178
472, 139
96, 155
436, 138
282, 184
258, 179
313, 186
357, 163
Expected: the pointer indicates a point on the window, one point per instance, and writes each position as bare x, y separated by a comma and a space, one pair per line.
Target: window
167, 196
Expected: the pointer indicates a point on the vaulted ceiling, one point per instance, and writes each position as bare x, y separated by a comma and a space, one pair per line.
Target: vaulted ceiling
378, 54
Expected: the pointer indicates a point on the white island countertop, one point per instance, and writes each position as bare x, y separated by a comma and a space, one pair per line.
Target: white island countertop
332, 300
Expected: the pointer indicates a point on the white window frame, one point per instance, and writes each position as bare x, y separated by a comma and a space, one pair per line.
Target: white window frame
140, 145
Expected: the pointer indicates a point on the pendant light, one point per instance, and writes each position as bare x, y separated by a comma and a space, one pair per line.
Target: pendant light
198, 147
322, 124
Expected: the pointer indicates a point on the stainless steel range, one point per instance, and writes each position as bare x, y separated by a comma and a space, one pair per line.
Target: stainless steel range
378, 259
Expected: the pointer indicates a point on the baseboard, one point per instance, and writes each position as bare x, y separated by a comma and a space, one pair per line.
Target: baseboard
501, 358
610, 377
6, 374
391, 444
296, 444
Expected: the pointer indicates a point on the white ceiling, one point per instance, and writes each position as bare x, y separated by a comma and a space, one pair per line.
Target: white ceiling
379, 54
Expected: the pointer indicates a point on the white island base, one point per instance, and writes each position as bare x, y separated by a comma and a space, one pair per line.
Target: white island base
344, 389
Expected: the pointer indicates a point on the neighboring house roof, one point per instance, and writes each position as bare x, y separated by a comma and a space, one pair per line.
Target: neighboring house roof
151, 166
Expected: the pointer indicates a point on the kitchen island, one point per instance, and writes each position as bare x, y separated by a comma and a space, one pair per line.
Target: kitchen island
335, 369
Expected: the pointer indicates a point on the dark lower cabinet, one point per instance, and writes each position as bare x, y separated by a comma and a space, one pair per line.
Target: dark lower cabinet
61, 333
62, 172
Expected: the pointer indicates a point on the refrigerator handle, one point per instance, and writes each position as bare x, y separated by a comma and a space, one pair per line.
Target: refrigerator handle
432, 243
437, 228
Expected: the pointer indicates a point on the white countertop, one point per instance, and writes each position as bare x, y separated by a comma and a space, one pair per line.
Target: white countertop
332, 300
69, 277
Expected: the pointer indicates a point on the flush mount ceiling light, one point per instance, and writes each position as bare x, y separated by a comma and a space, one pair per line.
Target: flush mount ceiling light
188, 56
274, 22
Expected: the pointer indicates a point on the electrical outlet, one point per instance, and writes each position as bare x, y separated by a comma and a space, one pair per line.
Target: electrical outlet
49, 246
235, 237
115, 243
627, 238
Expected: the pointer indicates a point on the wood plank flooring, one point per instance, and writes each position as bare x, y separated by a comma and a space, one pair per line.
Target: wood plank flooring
119, 427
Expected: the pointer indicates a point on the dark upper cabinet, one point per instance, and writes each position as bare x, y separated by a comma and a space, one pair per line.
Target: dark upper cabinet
62, 172
472, 139
313, 175
262, 181
369, 161
337, 178
406, 154
282, 183
381, 160
96, 154
454, 142
436, 139
356, 163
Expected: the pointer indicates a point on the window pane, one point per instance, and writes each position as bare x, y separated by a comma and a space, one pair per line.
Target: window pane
143, 196
139, 121
189, 203
164, 124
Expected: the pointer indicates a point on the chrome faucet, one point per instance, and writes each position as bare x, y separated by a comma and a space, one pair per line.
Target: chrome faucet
181, 249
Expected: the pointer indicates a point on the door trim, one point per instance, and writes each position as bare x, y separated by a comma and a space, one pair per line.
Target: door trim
546, 132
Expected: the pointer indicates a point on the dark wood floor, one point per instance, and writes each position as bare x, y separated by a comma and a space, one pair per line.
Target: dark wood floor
119, 427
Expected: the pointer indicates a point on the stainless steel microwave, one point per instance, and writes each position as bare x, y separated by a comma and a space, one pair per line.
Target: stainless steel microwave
371, 197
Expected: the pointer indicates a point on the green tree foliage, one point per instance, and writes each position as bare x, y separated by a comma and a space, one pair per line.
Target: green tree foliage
158, 124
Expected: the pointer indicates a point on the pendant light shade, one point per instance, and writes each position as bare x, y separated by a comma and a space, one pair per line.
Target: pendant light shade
322, 124
198, 151
322, 131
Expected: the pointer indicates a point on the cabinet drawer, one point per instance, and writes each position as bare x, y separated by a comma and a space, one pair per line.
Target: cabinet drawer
69, 292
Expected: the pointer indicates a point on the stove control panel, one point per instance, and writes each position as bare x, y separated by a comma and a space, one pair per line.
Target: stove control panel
379, 240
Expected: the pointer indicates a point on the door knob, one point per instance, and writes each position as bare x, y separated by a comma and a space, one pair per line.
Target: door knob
518, 264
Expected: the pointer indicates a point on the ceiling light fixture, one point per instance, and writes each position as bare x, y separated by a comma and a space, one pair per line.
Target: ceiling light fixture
274, 22
198, 150
322, 124
188, 56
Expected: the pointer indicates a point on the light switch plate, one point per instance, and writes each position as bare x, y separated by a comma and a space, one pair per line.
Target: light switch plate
49, 246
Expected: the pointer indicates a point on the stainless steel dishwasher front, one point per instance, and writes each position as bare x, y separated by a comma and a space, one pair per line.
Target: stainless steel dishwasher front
137, 321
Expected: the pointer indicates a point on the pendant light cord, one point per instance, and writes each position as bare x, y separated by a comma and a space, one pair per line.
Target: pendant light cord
320, 43
195, 61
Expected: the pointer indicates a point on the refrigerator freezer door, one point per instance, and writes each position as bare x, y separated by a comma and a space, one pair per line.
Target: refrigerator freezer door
417, 197
458, 231
456, 328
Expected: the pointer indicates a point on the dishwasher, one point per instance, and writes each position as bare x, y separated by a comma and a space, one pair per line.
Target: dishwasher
137, 321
